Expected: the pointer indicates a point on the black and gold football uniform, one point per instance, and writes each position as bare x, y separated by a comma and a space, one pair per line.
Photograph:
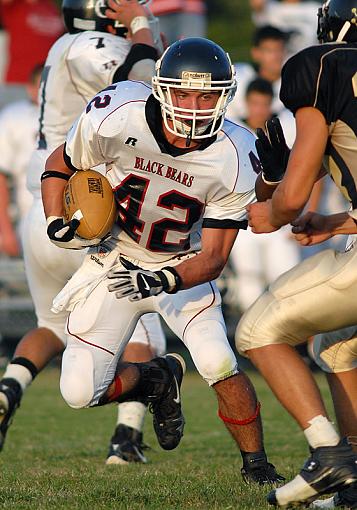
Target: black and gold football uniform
325, 77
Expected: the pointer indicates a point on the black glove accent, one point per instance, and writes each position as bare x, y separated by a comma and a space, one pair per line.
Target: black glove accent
69, 230
272, 151
137, 283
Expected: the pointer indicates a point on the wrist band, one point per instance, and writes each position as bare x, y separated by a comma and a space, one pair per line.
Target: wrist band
50, 219
270, 183
138, 23
173, 278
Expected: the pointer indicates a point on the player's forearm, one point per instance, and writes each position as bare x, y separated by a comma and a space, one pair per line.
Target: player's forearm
52, 187
263, 191
282, 212
200, 269
143, 36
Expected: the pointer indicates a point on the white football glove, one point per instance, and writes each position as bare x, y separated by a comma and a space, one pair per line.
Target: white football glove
64, 235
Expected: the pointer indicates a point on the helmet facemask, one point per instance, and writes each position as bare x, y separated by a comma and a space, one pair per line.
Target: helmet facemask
187, 123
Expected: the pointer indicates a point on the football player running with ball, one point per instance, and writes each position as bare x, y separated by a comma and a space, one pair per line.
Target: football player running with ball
319, 85
182, 176
93, 54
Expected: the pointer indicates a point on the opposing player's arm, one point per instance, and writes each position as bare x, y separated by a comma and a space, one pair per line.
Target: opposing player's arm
314, 228
303, 168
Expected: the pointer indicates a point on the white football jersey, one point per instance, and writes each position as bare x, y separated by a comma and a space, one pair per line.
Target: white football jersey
18, 131
77, 67
164, 195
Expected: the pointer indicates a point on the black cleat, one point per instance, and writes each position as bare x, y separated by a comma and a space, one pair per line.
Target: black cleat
346, 498
126, 446
257, 469
329, 469
165, 374
10, 397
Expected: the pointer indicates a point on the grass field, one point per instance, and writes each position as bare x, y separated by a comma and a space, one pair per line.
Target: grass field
54, 456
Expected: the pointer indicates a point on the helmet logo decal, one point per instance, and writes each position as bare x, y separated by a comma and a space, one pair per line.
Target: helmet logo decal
100, 8
190, 78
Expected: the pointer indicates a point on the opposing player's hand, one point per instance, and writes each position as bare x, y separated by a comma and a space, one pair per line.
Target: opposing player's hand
64, 235
136, 283
311, 228
272, 150
259, 217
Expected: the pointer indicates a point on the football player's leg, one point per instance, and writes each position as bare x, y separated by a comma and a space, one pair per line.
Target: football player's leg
314, 296
336, 355
197, 318
338, 359
126, 445
44, 263
98, 330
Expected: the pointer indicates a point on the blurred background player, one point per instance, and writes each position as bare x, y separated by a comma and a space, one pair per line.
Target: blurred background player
268, 53
94, 54
297, 18
181, 18
18, 132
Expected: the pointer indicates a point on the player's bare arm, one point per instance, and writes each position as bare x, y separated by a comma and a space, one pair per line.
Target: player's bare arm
208, 265
52, 187
54, 180
314, 228
303, 168
302, 172
137, 283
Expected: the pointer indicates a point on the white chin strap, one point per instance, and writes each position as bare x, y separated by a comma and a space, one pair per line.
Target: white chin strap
343, 31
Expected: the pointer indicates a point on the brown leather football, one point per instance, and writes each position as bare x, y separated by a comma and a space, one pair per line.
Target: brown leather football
89, 198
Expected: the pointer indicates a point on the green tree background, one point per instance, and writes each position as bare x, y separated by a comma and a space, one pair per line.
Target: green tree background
229, 24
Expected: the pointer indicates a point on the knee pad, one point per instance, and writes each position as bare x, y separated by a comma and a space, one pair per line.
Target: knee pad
336, 351
77, 377
210, 350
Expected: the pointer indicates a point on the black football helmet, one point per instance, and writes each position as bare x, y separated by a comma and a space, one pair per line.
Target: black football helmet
337, 21
81, 15
195, 64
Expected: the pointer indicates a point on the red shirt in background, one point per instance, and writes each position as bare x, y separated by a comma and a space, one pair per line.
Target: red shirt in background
32, 27
163, 7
